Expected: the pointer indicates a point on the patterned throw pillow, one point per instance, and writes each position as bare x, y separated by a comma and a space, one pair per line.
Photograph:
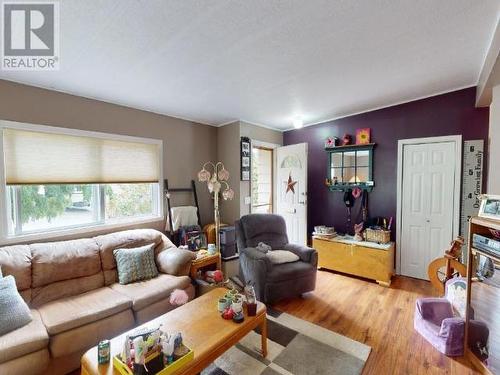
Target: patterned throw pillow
135, 264
14, 313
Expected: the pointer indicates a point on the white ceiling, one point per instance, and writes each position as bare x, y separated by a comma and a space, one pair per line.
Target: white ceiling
267, 61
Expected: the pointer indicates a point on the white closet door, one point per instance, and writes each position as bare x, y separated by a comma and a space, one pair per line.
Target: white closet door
427, 205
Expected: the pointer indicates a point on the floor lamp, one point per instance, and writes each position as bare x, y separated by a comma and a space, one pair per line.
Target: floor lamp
216, 181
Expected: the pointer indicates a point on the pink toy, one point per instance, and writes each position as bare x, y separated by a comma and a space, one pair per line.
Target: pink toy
214, 276
178, 297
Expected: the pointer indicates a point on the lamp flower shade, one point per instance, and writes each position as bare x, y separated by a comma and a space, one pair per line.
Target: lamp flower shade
228, 194
223, 174
203, 175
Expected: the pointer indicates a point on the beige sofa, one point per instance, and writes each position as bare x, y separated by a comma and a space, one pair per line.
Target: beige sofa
72, 290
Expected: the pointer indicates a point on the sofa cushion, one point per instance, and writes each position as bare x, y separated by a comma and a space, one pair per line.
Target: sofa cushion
135, 264
34, 363
282, 256
14, 312
71, 312
65, 288
57, 261
290, 271
16, 261
123, 240
147, 292
28, 339
84, 337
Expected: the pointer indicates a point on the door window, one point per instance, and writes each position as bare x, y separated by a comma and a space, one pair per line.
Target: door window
262, 180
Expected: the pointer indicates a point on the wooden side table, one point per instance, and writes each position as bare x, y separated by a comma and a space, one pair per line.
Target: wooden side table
209, 260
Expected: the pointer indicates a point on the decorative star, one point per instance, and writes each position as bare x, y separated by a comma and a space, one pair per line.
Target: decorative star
290, 185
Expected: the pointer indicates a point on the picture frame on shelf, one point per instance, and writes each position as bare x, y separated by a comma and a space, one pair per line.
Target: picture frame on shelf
490, 207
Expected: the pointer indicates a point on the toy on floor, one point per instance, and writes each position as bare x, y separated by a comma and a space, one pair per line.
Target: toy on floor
443, 269
214, 276
178, 297
441, 321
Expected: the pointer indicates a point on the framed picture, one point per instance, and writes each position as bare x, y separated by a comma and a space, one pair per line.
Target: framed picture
363, 136
195, 240
245, 158
490, 207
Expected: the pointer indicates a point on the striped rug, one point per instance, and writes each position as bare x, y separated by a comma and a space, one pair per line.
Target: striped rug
296, 347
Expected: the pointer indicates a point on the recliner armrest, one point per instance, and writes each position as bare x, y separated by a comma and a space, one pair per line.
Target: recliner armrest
305, 253
256, 255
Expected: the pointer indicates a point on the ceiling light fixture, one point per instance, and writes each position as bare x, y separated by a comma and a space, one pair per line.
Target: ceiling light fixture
298, 122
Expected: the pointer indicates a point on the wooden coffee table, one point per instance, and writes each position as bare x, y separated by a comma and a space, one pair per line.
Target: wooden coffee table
202, 328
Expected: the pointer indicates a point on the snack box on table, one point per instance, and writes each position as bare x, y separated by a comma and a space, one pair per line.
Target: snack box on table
155, 356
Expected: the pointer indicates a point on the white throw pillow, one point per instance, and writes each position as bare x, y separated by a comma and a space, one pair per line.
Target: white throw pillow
282, 256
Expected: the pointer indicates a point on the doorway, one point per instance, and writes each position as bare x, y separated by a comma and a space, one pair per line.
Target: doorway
429, 176
262, 180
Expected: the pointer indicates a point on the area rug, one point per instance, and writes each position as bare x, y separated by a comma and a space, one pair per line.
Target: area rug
296, 347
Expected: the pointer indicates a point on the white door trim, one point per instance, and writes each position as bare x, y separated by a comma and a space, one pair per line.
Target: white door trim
457, 139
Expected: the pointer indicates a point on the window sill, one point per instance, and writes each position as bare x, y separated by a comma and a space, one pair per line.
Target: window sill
85, 232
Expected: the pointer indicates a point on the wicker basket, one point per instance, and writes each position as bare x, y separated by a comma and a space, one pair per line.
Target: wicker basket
378, 235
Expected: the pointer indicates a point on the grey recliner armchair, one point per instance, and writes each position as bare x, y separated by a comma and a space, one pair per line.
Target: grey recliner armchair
273, 281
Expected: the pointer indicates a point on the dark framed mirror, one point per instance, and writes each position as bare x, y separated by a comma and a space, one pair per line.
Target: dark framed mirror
350, 166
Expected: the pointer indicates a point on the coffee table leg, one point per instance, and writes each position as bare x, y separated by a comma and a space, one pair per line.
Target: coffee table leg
263, 329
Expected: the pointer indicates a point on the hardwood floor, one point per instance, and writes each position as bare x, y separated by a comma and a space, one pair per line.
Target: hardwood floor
379, 317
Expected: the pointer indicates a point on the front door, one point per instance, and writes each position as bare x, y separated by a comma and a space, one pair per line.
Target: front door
291, 201
427, 207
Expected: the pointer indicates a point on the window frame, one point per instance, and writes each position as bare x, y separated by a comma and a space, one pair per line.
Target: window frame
101, 224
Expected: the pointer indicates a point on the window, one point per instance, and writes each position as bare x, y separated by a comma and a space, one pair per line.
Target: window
262, 180
57, 181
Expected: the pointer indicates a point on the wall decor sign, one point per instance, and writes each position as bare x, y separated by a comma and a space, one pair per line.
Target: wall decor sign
472, 187
245, 158
363, 136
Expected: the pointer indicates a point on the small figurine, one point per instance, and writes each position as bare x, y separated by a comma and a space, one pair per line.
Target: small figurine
358, 229
228, 313
346, 140
331, 142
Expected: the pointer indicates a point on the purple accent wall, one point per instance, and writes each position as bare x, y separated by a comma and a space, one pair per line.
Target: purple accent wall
448, 114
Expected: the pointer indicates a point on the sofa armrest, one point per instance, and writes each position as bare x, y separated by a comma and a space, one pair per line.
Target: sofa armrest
305, 253
434, 310
175, 261
453, 329
254, 267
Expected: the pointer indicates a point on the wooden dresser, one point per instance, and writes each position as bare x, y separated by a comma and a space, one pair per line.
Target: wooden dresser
483, 298
366, 259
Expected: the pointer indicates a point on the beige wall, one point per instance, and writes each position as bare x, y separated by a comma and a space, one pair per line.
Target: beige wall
494, 146
187, 145
228, 152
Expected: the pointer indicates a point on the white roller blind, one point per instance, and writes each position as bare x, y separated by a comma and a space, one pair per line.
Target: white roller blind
47, 158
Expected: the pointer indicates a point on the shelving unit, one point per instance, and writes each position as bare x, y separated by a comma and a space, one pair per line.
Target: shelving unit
483, 298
